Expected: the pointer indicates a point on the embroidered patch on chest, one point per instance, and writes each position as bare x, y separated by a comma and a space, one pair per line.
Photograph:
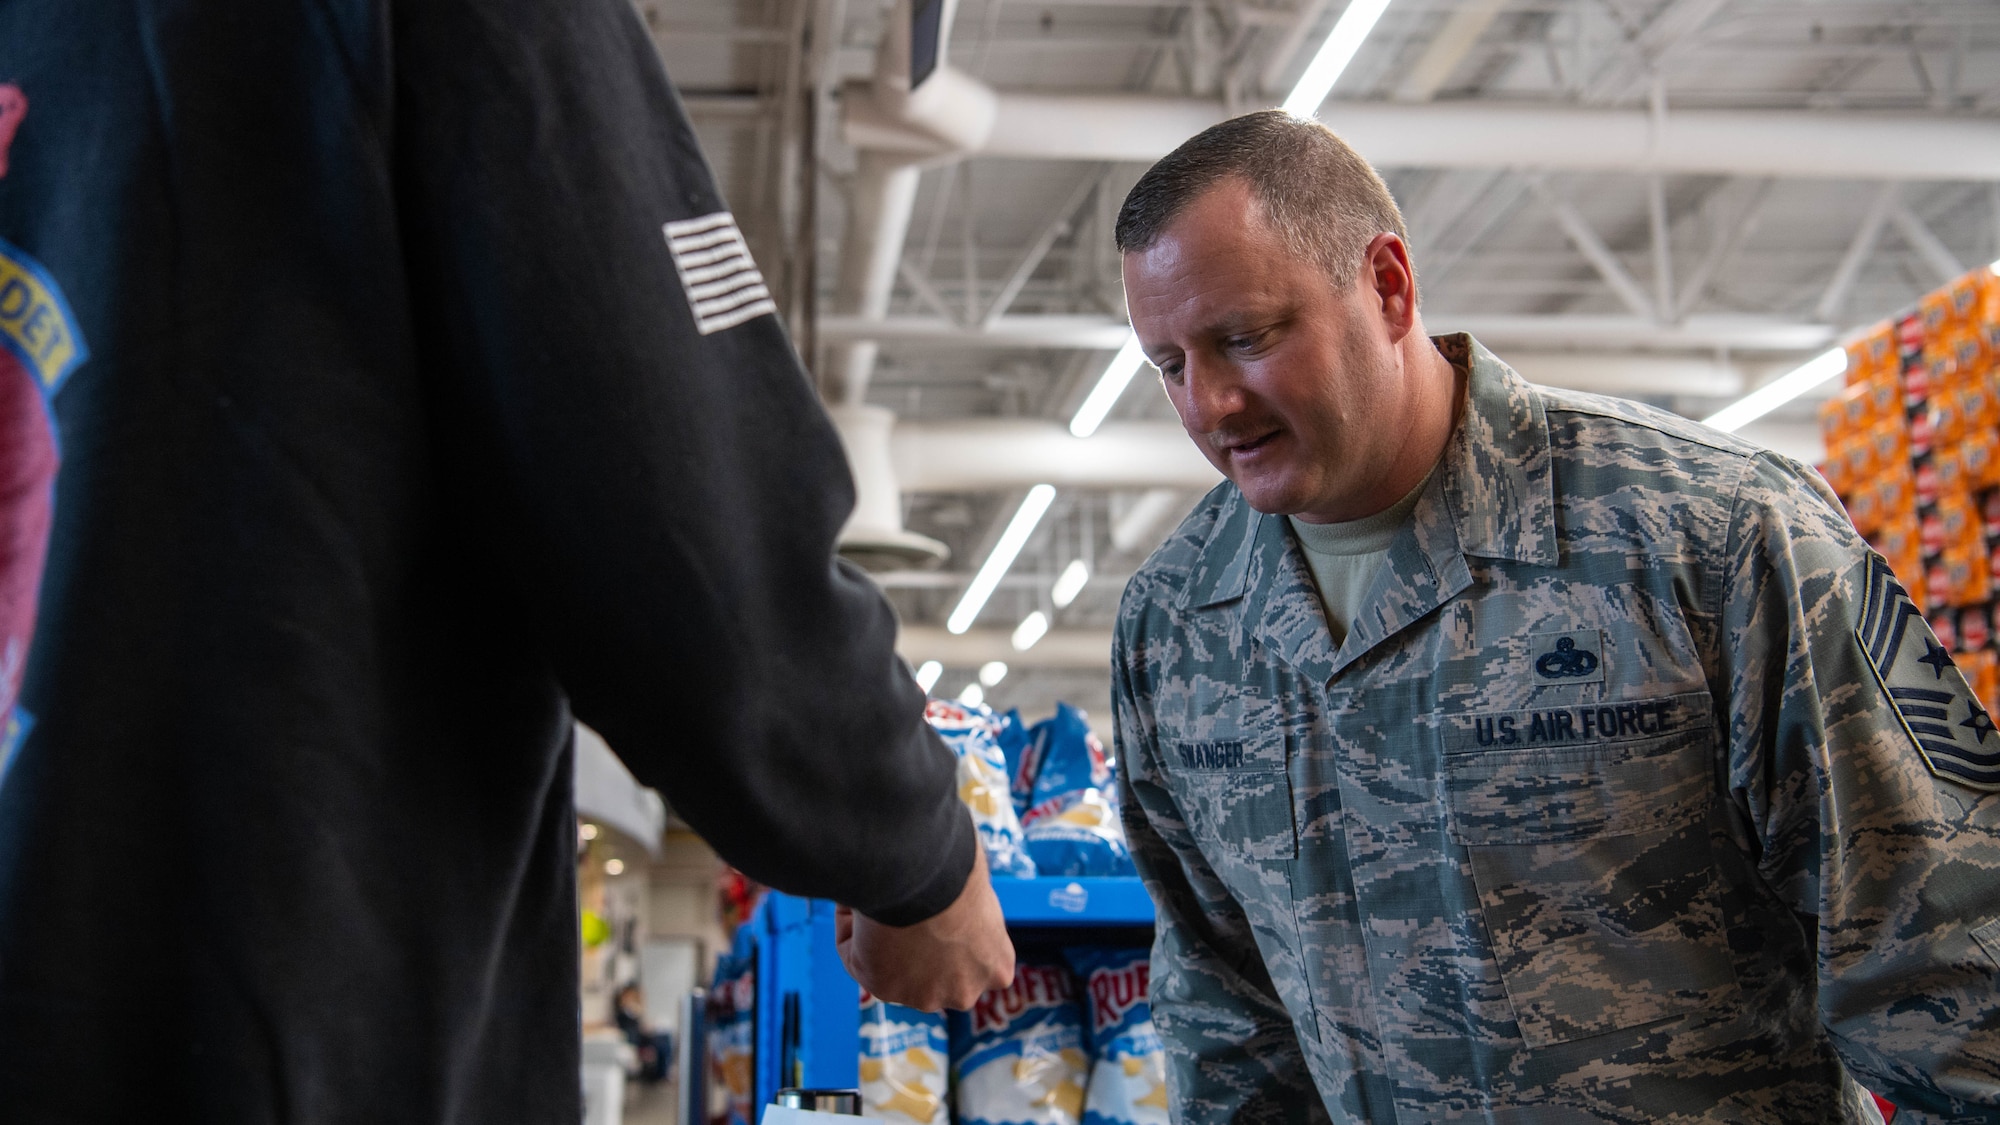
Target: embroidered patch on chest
723, 286
40, 345
1219, 754
1952, 731
1573, 657
1577, 726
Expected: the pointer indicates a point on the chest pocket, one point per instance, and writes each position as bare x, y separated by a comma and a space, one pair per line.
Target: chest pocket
1236, 796
1594, 875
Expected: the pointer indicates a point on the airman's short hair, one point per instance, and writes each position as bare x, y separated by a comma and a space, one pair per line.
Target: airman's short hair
1321, 197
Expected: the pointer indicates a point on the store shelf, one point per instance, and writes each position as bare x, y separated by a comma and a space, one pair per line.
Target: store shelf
1085, 901
806, 1031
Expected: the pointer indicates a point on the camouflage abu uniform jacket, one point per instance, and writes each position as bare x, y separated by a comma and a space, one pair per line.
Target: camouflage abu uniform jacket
1602, 813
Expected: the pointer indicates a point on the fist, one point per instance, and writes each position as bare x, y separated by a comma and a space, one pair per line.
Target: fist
945, 961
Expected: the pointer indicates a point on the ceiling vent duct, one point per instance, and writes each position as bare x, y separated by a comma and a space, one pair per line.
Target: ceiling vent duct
874, 539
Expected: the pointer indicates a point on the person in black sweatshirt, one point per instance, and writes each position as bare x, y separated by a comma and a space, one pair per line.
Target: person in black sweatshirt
413, 393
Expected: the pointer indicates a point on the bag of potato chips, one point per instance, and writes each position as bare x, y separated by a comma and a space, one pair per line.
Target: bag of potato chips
982, 784
904, 1059
1018, 1055
1071, 825
1128, 1070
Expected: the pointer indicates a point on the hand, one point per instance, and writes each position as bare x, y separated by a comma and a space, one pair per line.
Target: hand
945, 961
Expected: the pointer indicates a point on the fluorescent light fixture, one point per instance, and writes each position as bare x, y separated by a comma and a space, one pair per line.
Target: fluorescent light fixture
928, 675
1030, 630
992, 672
995, 567
1109, 386
1324, 70
973, 695
1069, 583
1826, 365
587, 830
614, 867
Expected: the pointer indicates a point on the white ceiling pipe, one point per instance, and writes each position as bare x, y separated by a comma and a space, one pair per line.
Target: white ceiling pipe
874, 536
947, 115
882, 199
1849, 145
1630, 333
1058, 648
1607, 334
1006, 332
995, 454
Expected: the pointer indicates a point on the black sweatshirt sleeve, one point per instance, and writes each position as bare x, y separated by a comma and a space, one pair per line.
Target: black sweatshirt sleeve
654, 466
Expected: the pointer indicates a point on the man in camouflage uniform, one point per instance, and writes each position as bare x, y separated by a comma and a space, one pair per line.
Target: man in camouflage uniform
1633, 789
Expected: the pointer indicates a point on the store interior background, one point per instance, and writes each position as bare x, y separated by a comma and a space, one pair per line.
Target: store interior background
1668, 200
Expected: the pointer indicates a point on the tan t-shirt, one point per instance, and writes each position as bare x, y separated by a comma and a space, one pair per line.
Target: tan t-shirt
1344, 557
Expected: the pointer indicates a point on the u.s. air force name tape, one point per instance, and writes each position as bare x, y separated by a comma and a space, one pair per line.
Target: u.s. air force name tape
722, 284
1930, 695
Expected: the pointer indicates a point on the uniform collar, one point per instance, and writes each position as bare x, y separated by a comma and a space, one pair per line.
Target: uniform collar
1494, 499
1499, 478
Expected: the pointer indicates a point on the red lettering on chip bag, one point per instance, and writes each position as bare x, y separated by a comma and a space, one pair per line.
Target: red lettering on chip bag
1112, 994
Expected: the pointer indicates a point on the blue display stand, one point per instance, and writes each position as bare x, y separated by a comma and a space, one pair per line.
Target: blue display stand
808, 1026
1087, 901
806, 1002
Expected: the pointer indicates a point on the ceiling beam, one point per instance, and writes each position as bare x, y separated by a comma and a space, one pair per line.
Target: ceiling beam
995, 454
1058, 648
998, 454
1594, 250
1053, 331
1728, 239
1597, 333
1858, 249
1039, 248
1663, 250
1927, 245
1791, 143
1447, 49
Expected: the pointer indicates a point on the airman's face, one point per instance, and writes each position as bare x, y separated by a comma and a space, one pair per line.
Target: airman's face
1289, 386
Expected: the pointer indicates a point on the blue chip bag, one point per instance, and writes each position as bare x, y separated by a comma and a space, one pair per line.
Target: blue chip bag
1063, 757
1014, 739
1071, 826
1018, 1056
1077, 834
982, 784
905, 1064
1128, 1069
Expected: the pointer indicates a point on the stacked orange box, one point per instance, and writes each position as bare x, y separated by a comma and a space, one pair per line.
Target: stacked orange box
1874, 354
1913, 450
1961, 409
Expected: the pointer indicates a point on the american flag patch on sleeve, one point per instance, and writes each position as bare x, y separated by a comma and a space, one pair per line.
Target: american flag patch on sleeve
722, 284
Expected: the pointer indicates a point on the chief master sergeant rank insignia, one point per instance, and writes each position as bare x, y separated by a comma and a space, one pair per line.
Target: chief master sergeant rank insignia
1930, 695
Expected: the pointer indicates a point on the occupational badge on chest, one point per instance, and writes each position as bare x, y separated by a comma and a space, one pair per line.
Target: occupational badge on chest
1573, 657
1952, 731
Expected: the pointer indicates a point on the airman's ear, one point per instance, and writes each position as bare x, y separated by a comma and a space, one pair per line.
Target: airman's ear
1386, 266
